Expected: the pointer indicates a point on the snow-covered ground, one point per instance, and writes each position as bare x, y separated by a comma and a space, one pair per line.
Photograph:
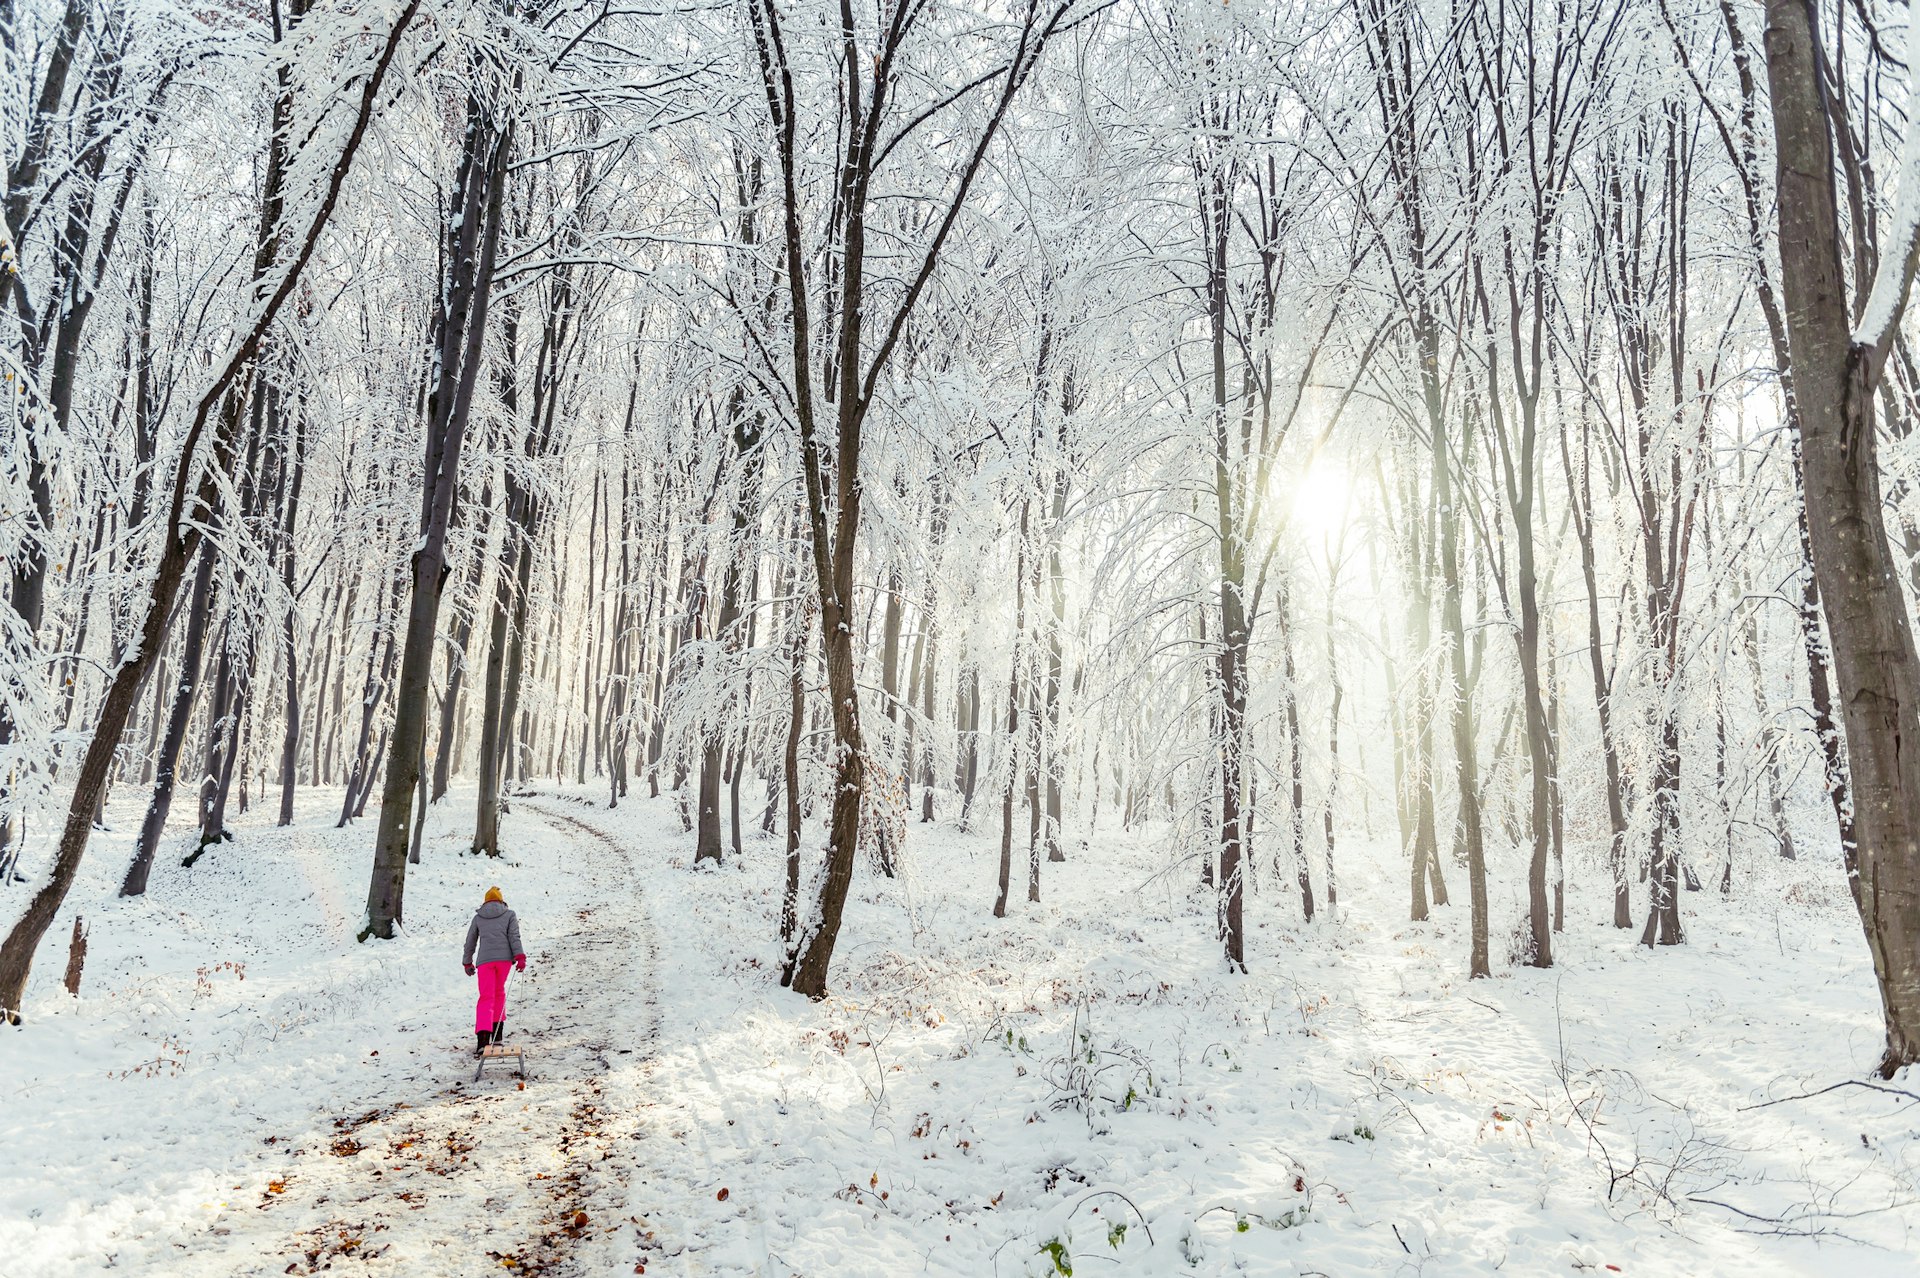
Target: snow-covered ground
1080, 1084
242, 1088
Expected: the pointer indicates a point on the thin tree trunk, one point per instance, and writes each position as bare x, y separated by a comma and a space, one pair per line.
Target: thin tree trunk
165, 779
747, 451
450, 696
1014, 692
1296, 750
510, 583
1333, 732
294, 475
373, 692
796, 724
1056, 630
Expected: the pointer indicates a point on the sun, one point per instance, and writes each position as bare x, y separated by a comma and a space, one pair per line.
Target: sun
1322, 501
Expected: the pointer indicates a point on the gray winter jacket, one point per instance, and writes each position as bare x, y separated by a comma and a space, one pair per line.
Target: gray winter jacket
493, 936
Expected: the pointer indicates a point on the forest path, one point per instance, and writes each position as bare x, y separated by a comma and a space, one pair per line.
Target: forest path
442, 1175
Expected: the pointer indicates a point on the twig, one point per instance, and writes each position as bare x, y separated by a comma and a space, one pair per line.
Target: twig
1845, 1082
1781, 1225
1090, 1195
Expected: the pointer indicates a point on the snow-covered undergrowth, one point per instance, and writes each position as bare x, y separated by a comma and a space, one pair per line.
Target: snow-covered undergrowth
1082, 1085
1079, 1086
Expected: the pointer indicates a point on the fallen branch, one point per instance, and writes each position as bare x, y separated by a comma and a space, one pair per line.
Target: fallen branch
1845, 1082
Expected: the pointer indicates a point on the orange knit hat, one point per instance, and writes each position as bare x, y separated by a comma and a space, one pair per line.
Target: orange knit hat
493, 894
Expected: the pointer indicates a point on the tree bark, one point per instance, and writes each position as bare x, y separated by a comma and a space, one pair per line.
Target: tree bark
1875, 662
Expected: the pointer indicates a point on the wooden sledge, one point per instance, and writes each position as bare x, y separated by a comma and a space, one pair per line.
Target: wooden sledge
497, 1051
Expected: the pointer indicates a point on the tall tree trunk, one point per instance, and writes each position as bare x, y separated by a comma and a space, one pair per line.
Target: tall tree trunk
1395, 79
967, 728
1036, 815
747, 451
797, 619
834, 517
1015, 690
486, 834
1459, 697
373, 691
293, 476
930, 623
461, 323
509, 584
1056, 629
233, 683
462, 638
224, 741
1518, 468
1834, 377
1743, 154
1333, 729
1413, 703
28, 562
330, 689
1296, 750
1580, 502
622, 664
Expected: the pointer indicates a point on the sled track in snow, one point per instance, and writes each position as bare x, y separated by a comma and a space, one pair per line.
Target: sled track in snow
595, 1125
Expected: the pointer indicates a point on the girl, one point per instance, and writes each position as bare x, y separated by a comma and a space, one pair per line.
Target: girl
493, 941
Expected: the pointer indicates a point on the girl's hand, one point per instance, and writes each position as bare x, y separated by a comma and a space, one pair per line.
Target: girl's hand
469, 968
520, 962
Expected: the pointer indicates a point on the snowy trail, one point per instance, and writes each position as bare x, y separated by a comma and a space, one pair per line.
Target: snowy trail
442, 1175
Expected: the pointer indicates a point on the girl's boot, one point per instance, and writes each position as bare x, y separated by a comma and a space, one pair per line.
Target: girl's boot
480, 1040
499, 1031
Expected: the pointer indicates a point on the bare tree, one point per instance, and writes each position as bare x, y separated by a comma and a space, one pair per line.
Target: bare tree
871, 126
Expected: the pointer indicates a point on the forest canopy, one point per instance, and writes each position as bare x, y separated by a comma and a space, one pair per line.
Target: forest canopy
1253, 423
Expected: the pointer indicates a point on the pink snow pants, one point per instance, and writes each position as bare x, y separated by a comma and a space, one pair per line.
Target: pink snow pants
493, 995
